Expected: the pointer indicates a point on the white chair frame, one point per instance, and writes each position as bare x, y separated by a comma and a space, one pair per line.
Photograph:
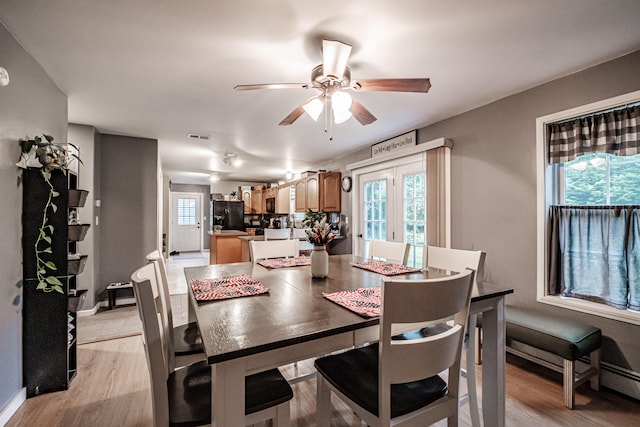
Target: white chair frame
158, 350
389, 251
401, 361
457, 260
261, 249
277, 233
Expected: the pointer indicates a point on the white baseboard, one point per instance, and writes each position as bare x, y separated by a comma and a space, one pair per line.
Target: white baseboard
90, 312
13, 406
622, 380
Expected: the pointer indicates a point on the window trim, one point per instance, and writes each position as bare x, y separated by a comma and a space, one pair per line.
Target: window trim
545, 179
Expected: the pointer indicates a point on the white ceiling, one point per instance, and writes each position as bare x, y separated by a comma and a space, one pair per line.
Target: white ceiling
161, 69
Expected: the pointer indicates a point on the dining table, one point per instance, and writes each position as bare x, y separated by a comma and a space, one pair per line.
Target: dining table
294, 321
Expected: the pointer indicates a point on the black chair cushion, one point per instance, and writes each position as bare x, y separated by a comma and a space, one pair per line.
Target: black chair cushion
190, 393
355, 374
186, 339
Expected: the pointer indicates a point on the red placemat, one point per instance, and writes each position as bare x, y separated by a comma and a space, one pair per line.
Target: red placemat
226, 287
285, 262
363, 301
386, 268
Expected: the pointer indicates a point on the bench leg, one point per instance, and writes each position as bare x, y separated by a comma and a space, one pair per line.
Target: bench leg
569, 379
594, 381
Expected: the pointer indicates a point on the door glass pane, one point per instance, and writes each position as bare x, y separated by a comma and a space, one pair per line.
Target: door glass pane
186, 211
375, 215
414, 216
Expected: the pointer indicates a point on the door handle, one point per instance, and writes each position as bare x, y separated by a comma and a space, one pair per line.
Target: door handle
360, 236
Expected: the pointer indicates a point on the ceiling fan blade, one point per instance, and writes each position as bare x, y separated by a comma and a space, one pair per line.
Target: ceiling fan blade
273, 86
392, 85
334, 58
293, 116
360, 113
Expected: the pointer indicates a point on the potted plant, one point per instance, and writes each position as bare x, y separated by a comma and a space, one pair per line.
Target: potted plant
43, 154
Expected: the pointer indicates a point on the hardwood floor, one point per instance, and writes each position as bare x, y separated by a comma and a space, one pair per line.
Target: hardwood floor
112, 389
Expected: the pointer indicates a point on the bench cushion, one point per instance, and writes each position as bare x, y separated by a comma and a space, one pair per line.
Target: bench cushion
569, 339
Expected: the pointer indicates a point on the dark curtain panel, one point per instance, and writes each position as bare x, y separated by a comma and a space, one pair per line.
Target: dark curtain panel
614, 132
595, 254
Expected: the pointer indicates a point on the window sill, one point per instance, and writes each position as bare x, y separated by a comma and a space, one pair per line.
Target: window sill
593, 308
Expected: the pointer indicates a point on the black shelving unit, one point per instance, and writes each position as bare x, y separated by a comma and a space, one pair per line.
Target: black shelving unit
49, 318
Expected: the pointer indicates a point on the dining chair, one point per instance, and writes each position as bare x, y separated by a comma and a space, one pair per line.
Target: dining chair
182, 396
261, 249
457, 260
389, 251
185, 338
277, 233
396, 381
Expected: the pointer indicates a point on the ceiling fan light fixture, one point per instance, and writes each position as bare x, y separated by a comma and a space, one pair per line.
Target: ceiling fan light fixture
230, 159
341, 102
341, 116
314, 107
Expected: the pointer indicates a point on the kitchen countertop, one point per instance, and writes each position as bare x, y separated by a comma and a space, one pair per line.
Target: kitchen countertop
227, 233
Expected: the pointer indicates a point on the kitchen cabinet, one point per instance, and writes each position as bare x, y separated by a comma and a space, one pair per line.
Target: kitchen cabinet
225, 247
245, 196
49, 330
283, 199
256, 200
300, 196
319, 193
330, 196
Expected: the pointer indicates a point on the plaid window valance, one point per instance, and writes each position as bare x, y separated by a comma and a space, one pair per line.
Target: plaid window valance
614, 132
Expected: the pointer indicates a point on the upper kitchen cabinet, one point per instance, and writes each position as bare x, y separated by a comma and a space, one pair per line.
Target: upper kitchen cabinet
283, 199
300, 195
245, 196
256, 200
319, 193
329, 193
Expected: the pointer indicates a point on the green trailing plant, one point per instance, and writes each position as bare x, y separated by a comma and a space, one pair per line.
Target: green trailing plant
311, 218
42, 153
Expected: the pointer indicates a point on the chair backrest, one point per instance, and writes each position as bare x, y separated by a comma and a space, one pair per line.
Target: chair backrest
389, 251
456, 260
277, 233
415, 301
261, 249
155, 258
299, 233
155, 339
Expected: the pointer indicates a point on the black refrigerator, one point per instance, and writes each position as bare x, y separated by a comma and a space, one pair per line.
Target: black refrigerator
228, 214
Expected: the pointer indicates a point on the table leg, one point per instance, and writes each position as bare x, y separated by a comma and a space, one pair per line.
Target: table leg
493, 365
227, 394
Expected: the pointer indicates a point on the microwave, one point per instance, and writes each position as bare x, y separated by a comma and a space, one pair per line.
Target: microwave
271, 204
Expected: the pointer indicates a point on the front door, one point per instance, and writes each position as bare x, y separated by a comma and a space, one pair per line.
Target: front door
186, 217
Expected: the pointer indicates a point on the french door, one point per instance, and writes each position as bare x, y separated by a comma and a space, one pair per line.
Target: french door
393, 207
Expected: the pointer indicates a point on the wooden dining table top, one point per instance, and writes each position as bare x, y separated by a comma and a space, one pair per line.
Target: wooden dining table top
293, 311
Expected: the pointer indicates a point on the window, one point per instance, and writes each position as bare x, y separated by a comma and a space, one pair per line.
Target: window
375, 210
588, 208
186, 211
601, 179
414, 221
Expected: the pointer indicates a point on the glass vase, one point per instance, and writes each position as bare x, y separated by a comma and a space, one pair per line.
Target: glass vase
319, 262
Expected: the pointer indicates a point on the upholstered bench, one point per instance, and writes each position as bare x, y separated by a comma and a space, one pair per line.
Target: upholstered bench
531, 334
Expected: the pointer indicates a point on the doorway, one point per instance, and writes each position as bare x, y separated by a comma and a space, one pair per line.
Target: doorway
393, 207
186, 219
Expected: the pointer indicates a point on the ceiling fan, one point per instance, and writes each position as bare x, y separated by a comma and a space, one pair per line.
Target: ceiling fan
333, 79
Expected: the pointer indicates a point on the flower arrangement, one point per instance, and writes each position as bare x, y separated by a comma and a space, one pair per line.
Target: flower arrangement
42, 153
320, 233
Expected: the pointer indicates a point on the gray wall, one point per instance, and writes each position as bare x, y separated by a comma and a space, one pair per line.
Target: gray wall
494, 185
31, 104
129, 208
87, 139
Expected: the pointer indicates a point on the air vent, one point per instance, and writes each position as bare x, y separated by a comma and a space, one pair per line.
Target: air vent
196, 136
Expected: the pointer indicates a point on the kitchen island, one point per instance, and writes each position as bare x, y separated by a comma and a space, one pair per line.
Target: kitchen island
226, 247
